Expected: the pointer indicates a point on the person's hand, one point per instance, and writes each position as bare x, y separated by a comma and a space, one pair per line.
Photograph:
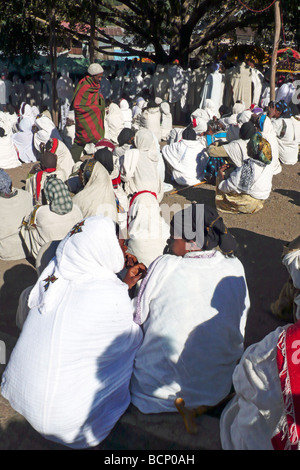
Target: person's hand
222, 170
130, 260
134, 274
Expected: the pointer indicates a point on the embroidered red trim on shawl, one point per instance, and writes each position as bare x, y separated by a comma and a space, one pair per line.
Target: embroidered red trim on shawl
288, 363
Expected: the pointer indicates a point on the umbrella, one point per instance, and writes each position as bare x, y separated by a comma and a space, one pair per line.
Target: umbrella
288, 60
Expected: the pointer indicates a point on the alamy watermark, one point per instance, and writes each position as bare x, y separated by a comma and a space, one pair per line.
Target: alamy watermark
2, 352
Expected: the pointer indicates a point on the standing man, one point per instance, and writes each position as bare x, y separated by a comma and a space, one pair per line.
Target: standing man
89, 107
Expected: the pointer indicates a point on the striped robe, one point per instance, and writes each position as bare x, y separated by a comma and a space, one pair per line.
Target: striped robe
89, 107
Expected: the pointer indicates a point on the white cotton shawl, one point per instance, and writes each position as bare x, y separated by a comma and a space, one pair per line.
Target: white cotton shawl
70, 370
8, 151
193, 312
292, 263
114, 122
187, 160
140, 168
127, 113
237, 151
250, 419
49, 226
261, 184
46, 130
97, 197
23, 141
288, 145
12, 211
147, 230
64, 158
27, 112
150, 119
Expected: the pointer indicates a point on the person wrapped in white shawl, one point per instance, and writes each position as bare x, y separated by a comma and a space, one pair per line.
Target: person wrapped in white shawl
69, 372
186, 159
140, 168
193, 306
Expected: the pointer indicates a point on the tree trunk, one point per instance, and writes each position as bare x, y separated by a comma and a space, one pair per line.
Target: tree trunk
275, 49
92, 33
53, 66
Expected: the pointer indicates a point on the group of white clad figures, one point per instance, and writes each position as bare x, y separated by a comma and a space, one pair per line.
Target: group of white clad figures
130, 307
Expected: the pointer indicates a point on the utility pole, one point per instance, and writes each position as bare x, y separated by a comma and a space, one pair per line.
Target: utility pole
275, 49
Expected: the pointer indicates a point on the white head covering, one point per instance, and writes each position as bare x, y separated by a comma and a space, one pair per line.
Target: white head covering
46, 130
244, 116
97, 197
124, 104
94, 69
238, 108
199, 125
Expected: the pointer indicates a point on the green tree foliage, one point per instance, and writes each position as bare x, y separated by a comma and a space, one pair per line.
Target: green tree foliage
161, 30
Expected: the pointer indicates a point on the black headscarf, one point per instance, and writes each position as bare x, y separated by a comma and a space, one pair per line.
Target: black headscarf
104, 156
125, 135
247, 130
189, 134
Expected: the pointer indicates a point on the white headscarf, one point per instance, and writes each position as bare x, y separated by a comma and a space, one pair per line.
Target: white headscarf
23, 140
90, 251
97, 197
140, 167
46, 130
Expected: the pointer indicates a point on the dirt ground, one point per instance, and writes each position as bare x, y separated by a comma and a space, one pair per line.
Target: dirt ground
260, 240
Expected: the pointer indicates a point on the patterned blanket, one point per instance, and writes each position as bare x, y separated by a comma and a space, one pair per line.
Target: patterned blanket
89, 107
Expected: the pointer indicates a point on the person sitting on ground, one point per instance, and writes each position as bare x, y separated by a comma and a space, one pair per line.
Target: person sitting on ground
23, 141
15, 204
125, 142
233, 130
127, 112
140, 170
110, 162
53, 219
246, 188
193, 307
264, 413
80, 309
65, 160
8, 151
236, 151
287, 130
264, 125
97, 194
37, 175
151, 118
186, 159
114, 122
287, 306
147, 231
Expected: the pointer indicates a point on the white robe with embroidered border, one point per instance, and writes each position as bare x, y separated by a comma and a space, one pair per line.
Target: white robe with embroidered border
69, 372
193, 312
249, 420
